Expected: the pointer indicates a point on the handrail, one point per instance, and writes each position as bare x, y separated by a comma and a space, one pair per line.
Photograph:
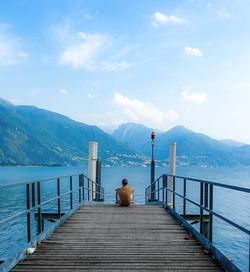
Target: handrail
4, 186
33, 198
206, 204
233, 187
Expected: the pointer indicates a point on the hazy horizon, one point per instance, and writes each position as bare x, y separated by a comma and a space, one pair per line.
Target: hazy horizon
160, 63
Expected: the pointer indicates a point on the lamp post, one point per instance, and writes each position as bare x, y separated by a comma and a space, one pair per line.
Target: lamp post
152, 167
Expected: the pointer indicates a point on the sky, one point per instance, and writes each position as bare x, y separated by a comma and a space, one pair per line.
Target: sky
160, 63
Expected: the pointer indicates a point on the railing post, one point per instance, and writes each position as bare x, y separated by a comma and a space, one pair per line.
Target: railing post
28, 212
33, 195
163, 189
211, 193
102, 194
98, 180
206, 195
39, 208
173, 193
58, 197
184, 195
89, 195
79, 184
82, 187
201, 210
166, 190
158, 192
71, 193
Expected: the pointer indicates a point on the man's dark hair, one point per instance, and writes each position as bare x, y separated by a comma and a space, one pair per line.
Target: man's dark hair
124, 182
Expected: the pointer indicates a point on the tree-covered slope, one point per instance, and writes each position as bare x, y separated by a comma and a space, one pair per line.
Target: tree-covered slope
33, 136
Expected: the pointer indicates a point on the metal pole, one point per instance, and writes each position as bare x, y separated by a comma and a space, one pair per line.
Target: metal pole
33, 195
211, 196
152, 168
173, 193
201, 210
184, 195
89, 190
58, 198
152, 180
158, 192
164, 181
82, 187
98, 180
172, 164
39, 208
206, 195
28, 212
71, 193
79, 189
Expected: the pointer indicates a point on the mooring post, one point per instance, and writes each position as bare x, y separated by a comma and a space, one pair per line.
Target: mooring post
93, 149
172, 164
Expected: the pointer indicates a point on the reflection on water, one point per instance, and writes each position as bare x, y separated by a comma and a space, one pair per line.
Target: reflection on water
234, 205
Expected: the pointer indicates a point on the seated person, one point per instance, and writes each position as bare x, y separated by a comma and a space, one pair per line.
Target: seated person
124, 195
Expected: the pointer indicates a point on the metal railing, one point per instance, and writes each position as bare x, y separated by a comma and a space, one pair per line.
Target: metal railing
163, 191
34, 205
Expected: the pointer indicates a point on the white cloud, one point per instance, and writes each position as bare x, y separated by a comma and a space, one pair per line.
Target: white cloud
10, 48
143, 112
63, 91
160, 18
196, 52
89, 51
194, 97
83, 53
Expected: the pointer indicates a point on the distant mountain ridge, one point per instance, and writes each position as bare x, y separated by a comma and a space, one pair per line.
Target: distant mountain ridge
134, 135
192, 148
33, 136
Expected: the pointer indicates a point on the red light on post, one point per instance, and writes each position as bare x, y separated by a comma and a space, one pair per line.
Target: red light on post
152, 136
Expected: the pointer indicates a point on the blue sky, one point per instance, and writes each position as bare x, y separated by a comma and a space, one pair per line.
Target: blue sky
160, 63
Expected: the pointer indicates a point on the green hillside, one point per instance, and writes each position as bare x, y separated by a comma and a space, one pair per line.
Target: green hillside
33, 136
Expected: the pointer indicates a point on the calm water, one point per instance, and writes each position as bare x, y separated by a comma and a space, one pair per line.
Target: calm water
233, 205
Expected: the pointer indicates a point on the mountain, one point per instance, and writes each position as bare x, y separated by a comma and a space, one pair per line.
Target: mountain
133, 135
192, 148
232, 143
33, 136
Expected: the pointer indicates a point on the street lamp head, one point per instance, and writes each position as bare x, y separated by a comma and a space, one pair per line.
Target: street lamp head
152, 136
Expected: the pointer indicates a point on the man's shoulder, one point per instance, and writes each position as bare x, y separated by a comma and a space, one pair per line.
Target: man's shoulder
124, 188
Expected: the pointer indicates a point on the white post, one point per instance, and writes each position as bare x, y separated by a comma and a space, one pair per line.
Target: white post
172, 163
93, 149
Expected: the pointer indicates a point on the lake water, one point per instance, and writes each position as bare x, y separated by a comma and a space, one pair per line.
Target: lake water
234, 205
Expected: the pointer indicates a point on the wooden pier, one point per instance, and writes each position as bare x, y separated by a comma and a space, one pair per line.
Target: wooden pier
107, 238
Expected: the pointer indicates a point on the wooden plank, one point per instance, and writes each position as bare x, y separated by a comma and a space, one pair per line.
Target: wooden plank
107, 238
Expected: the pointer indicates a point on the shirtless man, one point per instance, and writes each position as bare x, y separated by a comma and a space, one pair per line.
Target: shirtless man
124, 195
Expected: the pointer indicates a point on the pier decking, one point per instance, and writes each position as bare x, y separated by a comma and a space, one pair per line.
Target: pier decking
107, 238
